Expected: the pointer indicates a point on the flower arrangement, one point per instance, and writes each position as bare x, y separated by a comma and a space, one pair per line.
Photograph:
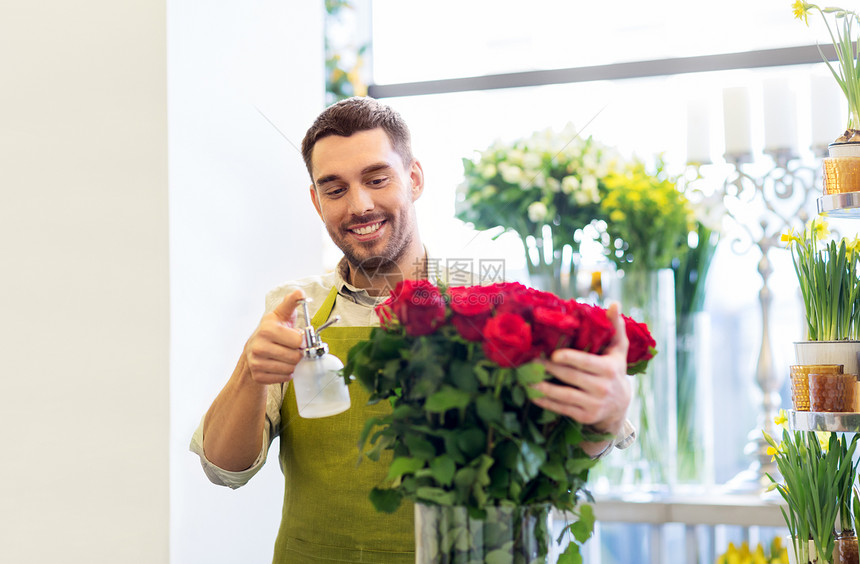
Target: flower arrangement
545, 188
848, 72
817, 472
828, 277
775, 553
458, 366
648, 218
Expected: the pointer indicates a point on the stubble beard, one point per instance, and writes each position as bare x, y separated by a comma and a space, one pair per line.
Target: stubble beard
381, 262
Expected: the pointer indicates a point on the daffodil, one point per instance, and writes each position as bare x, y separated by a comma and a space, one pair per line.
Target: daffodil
790, 237
781, 419
772, 452
823, 440
801, 10
843, 34
828, 276
817, 230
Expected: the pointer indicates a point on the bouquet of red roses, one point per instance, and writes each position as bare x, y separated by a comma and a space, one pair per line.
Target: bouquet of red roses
514, 324
457, 367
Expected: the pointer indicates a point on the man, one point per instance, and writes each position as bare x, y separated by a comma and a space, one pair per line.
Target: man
365, 182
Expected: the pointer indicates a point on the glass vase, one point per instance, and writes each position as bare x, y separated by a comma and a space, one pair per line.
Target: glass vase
695, 419
649, 296
831, 392
515, 534
800, 381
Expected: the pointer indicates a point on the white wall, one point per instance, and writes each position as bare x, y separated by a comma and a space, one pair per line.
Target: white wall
241, 222
84, 315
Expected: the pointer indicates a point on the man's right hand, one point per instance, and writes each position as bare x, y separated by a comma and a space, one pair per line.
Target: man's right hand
272, 352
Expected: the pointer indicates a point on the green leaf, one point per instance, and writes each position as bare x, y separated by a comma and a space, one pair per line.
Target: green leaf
571, 555
518, 396
420, 447
436, 495
443, 469
498, 556
447, 398
531, 373
577, 465
531, 458
385, 500
403, 465
472, 442
462, 376
554, 470
489, 408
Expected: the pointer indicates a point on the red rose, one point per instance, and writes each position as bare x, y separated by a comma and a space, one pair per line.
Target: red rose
508, 340
419, 306
522, 301
472, 300
383, 312
472, 307
642, 344
553, 328
595, 329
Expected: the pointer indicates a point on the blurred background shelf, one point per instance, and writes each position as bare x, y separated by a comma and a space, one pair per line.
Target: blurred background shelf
848, 422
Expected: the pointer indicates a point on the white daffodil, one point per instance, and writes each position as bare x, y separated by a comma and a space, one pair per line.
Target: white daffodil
488, 170
589, 183
510, 173
582, 197
537, 212
531, 160
515, 156
536, 178
569, 184
553, 185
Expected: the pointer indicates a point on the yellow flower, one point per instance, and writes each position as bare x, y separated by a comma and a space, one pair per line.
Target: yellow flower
790, 237
823, 440
772, 452
817, 230
781, 419
801, 10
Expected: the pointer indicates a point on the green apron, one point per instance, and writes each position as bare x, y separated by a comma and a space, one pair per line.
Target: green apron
327, 516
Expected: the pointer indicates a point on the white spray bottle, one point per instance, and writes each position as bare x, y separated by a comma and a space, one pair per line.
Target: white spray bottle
320, 389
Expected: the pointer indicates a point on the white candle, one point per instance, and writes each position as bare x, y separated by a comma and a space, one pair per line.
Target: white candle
828, 122
698, 132
780, 116
736, 119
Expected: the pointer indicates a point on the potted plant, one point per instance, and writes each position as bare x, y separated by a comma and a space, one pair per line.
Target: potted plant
828, 275
482, 463
846, 538
847, 71
813, 477
843, 163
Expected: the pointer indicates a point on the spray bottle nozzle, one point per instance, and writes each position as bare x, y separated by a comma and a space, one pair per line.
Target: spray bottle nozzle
314, 347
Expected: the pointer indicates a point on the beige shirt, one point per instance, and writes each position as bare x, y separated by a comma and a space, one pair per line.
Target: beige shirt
356, 309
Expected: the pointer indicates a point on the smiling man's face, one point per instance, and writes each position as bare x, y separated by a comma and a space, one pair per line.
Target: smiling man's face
364, 193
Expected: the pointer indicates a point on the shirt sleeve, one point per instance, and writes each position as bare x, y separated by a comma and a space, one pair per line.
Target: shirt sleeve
233, 480
622, 440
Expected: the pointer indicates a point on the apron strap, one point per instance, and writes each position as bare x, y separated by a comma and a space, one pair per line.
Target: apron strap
321, 316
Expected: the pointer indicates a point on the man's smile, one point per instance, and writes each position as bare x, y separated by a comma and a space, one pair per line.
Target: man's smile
367, 231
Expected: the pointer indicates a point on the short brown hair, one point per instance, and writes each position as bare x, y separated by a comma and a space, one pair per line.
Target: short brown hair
358, 114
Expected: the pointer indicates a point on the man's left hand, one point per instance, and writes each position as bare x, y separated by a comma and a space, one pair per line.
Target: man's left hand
596, 390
